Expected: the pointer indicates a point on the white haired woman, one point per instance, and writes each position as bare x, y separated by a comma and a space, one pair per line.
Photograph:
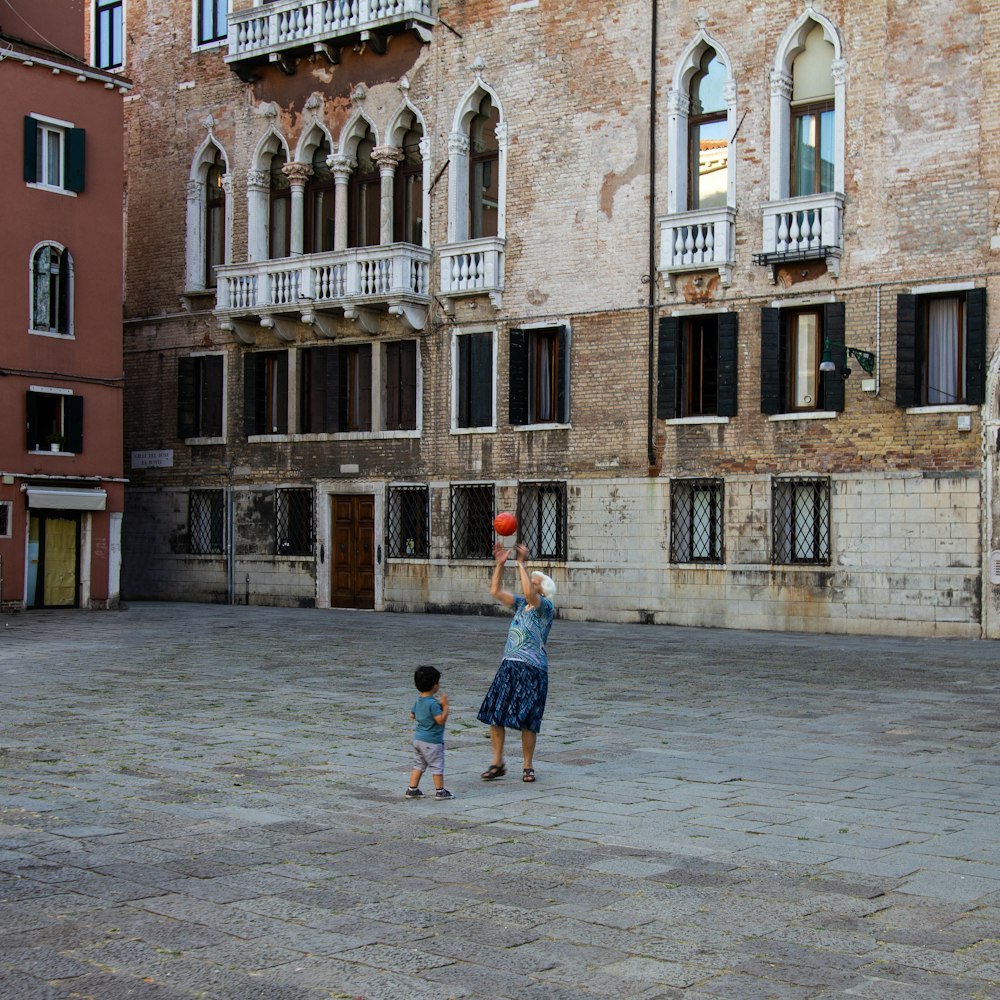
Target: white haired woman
516, 698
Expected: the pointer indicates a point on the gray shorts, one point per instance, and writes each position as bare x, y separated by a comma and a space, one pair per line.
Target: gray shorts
428, 755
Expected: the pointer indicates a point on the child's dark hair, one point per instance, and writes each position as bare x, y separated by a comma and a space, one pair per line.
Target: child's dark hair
425, 678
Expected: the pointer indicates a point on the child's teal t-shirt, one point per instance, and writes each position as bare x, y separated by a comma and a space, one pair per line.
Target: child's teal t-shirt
428, 731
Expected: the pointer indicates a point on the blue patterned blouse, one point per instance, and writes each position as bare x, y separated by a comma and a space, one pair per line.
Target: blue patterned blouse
528, 632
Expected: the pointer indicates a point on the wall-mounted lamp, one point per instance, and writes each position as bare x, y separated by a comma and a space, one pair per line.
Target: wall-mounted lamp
864, 358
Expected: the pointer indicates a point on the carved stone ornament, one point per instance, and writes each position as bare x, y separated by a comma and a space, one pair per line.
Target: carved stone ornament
209, 122
314, 103
258, 178
267, 110
359, 93
297, 173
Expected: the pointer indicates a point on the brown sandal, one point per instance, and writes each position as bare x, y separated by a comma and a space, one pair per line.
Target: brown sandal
494, 771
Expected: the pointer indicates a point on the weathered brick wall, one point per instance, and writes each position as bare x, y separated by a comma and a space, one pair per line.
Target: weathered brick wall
921, 189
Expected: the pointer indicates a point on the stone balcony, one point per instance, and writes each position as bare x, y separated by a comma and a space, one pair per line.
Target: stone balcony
277, 31
805, 228
698, 241
317, 289
473, 267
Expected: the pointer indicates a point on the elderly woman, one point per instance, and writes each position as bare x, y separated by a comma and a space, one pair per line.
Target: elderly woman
516, 698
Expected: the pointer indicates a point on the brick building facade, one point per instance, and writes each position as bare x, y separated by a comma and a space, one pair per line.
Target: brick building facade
61, 476
395, 266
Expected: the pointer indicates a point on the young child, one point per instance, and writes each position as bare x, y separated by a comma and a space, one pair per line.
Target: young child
430, 712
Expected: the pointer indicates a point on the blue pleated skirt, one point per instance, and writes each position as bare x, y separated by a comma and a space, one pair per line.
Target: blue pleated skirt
516, 698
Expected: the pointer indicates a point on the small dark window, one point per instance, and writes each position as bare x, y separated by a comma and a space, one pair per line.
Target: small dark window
400, 388
335, 389
474, 378
539, 376
472, 512
364, 198
206, 522
320, 196
696, 532
54, 422
265, 392
697, 367
200, 392
215, 217
407, 527
293, 522
800, 521
280, 209
541, 516
408, 204
5, 525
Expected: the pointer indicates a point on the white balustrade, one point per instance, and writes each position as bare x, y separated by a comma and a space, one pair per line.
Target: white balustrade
701, 239
803, 225
472, 266
290, 23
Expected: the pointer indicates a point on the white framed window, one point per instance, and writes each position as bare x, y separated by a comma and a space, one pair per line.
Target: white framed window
209, 27
51, 296
54, 154
6, 516
53, 420
473, 381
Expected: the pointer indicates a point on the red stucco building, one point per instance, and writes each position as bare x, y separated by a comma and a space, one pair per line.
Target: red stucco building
61, 479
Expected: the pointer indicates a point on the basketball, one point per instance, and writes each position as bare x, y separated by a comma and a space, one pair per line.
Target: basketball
505, 523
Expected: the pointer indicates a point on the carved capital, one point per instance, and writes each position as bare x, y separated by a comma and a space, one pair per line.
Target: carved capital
501, 133
257, 180
297, 173
838, 69
678, 103
387, 157
194, 189
458, 144
342, 166
781, 84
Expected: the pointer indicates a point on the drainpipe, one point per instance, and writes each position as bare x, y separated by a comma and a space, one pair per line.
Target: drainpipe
651, 263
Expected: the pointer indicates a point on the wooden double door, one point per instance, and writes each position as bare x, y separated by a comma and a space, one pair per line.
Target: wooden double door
352, 559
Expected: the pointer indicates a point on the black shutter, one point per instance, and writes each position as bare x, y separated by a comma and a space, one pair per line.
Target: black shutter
76, 144
65, 296
833, 382
250, 393
907, 369
30, 149
73, 424
464, 378
281, 364
393, 385
365, 387
407, 385
343, 389
186, 403
329, 379
975, 346
212, 393
517, 398
667, 368
729, 325
770, 361
33, 440
482, 380
562, 383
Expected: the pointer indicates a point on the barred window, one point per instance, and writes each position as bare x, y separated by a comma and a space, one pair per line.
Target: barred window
472, 512
407, 535
696, 520
801, 521
541, 518
206, 522
293, 522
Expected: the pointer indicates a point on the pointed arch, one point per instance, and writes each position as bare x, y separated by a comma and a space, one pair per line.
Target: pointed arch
311, 139
209, 214
462, 186
354, 131
272, 143
679, 119
411, 178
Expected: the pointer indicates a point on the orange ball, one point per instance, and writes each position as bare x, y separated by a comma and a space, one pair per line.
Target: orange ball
505, 523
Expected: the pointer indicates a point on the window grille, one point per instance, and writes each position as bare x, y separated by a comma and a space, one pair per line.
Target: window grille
206, 522
472, 512
801, 521
293, 522
696, 523
541, 518
407, 532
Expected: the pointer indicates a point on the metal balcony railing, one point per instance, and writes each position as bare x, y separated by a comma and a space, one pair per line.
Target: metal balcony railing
802, 228
295, 24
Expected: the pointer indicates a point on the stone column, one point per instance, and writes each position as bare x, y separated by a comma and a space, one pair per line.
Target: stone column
297, 174
387, 158
258, 187
342, 167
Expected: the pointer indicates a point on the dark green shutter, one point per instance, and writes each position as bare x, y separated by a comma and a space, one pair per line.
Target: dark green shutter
73, 424
393, 385
76, 144
212, 393
518, 412
975, 346
30, 149
668, 368
33, 440
65, 296
365, 387
329, 379
186, 403
907, 345
833, 382
407, 420
770, 361
464, 378
281, 363
250, 393
562, 383
482, 380
729, 325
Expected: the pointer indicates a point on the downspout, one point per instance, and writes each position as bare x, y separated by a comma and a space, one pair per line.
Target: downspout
653, 469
